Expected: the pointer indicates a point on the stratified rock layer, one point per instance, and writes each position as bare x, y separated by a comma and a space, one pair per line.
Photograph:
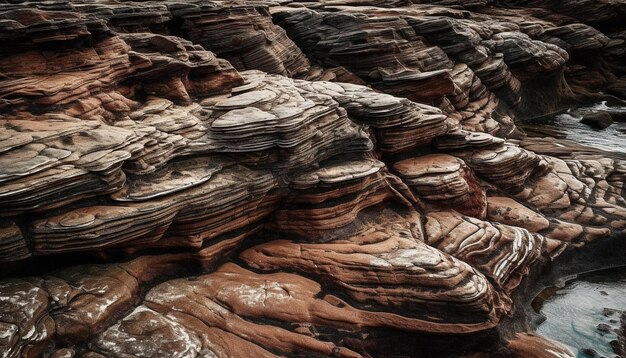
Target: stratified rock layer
291, 178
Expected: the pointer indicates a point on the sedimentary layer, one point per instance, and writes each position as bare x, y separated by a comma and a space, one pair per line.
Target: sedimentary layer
292, 178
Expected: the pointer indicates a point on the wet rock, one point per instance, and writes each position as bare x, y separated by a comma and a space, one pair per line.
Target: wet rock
504, 253
290, 178
618, 116
604, 328
145, 332
397, 260
589, 352
599, 120
533, 345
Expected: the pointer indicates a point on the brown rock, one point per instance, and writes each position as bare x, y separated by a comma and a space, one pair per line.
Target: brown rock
533, 345
444, 181
508, 211
504, 253
389, 268
124, 140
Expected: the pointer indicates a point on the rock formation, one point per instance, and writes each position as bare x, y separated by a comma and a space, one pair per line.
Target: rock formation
293, 178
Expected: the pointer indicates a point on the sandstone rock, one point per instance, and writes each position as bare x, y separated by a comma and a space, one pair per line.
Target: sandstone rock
389, 266
289, 298
463, 41
578, 36
465, 92
571, 186
460, 139
144, 332
127, 17
508, 211
244, 35
12, 242
64, 160
399, 124
335, 38
533, 345
143, 223
25, 321
68, 305
583, 10
473, 241
333, 198
444, 181
507, 165
273, 111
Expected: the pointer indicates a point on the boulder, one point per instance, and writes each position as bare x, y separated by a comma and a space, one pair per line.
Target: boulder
598, 120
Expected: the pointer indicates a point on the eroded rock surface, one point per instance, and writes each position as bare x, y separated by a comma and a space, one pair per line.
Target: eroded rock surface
291, 178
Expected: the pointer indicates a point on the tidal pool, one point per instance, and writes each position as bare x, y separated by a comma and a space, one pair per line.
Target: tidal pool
568, 126
582, 314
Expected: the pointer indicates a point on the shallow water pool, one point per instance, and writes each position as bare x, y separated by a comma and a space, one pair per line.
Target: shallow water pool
582, 314
567, 126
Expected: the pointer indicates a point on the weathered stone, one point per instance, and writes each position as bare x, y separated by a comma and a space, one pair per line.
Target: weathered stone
444, 181
336, 178
599, 120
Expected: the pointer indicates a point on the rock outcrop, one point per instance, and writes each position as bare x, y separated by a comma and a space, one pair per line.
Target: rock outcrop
315, 178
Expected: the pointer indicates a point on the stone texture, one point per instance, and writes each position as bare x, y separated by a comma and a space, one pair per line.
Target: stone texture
306, 178
532, 345
444, 181
388, 267
501, 252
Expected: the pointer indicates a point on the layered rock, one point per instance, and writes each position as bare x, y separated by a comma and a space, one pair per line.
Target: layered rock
407, 65
501, 252
251, 202
444, 181
332, 196
243, 34
272, 112
399, 124
436, 292
505, 165
532, 345
585, 11
54, 160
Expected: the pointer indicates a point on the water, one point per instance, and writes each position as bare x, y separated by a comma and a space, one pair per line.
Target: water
574, 312
568, 126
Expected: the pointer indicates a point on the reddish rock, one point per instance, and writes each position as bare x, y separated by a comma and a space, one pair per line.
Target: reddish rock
445, 182
293, 178
389, 268
534, 346
504, 253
